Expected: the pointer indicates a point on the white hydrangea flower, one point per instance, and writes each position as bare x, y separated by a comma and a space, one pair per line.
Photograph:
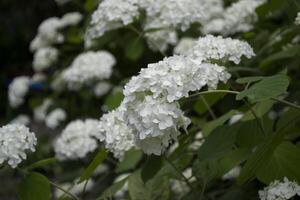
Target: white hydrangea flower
76, 188
17, 90
232, 174
44, 58
118, 137
174, 77
219, 48
155, 123
71, 19
238, 17
184, 46
101, 88
197, 142
55, 117
89, 66
21, 119
280, 190
40, 112
15, 140
297, 20
49, 30
110, 15
48, 34
77, 140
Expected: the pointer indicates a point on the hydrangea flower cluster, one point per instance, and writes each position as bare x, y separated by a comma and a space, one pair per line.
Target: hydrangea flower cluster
297, 20
55, 117
40, 112
15, 140
184, 46
44, 58
77, 140
49, 30
114, 132
87, 67
101, 88
238, 17
150, 108
280, 190
21, 119
17, 90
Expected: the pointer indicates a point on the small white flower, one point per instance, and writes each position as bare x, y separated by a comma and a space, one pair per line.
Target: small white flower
87, 67
77, 140
235, 118
44, 58
280, 190
117, 136
21, 119
71, 19
17, 91
184, 46
15, 140
232, 174
40, 112
297, 20
101, 88
55, 117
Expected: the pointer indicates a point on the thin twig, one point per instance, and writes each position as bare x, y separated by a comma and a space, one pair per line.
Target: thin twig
211, 112
65, 191
287, 103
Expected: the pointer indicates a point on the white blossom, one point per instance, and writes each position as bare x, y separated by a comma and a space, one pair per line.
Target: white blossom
38, 77
15, 140
44, 58
115, 133
238, 17
110, 15
55, 117
184, 46
155, 123
159, 40
219, 48
71, 19
77, 140
297, 20
235, 118
232, 174
17, 90
102, 88
89, 66
40, 112
21, 119
280, 190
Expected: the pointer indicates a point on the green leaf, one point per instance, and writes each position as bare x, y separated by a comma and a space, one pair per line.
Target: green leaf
137, 188
285, 162
268, 88
151, 167
210, 100
88, 172
35, 186
210, 126
130, 160
109, 192
260, 109
134, 49
113, 100
250, 79
41, 163
261, 155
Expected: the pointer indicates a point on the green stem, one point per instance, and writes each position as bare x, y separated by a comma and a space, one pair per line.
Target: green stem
287, 103
211, 112
65, 191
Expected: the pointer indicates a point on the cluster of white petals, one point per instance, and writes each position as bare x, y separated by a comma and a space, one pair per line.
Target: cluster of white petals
111, 14
280, 190
21, 119
184, 46
17, 90
218, 48
44, 58
77, 140
102, 88
49, 31
40, 112
238, 17
297, 20
89, 66
55, 117
117, 136
15, 140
